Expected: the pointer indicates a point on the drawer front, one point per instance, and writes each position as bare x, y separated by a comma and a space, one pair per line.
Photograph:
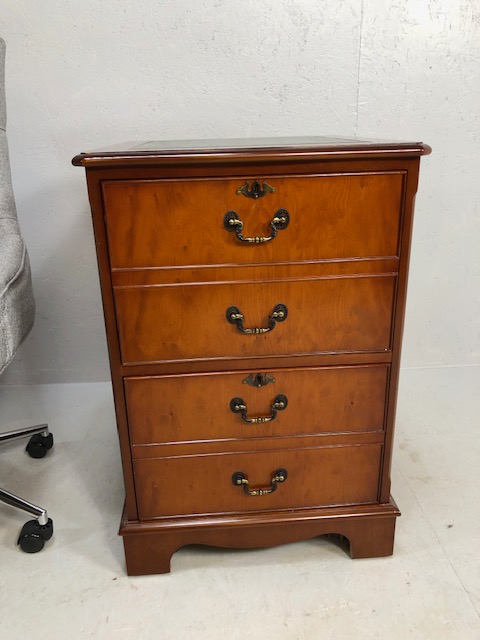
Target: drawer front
316, 477
179, 222
188, 322
185, 408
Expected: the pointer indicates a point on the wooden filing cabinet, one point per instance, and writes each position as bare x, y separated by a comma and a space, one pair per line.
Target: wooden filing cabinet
254, 294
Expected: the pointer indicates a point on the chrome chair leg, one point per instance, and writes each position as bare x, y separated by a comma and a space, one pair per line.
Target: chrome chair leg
34, 533
24, 432
19, 503
41, 440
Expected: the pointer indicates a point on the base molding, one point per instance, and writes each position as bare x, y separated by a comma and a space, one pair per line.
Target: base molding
149, 546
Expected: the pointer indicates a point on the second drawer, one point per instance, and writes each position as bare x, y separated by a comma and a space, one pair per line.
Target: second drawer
183, 408
197, 321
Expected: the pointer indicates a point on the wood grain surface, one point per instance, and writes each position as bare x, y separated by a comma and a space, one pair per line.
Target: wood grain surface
185, 322
319, 476
181, 222
320, 400
169, 270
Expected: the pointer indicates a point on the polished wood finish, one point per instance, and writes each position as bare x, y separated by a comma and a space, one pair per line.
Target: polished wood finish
331, 216
168, 272
206, 486
329, 400
249, 445
247, 151
189, 322
308, 270
369, 531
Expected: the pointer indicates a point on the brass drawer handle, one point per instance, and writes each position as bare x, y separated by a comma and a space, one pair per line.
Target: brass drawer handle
240, 479
256, 191
237, 405
232, 222
235, 316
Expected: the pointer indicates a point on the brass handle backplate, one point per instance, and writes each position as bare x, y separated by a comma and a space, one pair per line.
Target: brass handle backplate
237, 405
235, 316
232, 223
240, 480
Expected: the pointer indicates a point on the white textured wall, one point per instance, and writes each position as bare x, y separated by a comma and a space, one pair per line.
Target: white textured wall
419, 77
82, 75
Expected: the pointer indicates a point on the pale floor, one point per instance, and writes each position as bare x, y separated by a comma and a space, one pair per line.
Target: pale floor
77, 588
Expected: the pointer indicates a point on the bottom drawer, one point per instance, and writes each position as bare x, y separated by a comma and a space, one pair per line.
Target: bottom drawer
317, 476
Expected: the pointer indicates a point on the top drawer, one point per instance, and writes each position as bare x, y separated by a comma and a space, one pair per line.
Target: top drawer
182, 222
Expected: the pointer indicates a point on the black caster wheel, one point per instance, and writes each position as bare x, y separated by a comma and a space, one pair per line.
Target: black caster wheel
33, 535
38, 445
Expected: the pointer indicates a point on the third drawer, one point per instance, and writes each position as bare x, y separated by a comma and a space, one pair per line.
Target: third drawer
216, 406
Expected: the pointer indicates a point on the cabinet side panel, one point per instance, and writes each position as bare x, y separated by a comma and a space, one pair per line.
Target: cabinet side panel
410, 189
94, 193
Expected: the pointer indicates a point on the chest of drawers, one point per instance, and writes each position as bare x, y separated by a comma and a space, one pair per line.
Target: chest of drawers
254, 294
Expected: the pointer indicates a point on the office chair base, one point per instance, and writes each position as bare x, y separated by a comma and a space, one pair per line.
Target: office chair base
34, 535
41, 430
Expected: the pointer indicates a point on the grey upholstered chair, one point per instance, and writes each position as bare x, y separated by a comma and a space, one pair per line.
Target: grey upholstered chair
17, 311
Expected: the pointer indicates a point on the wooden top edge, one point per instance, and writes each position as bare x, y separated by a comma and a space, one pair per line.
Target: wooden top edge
246, 149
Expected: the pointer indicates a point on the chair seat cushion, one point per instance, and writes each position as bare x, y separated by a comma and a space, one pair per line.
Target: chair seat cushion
17, 306
11, 251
